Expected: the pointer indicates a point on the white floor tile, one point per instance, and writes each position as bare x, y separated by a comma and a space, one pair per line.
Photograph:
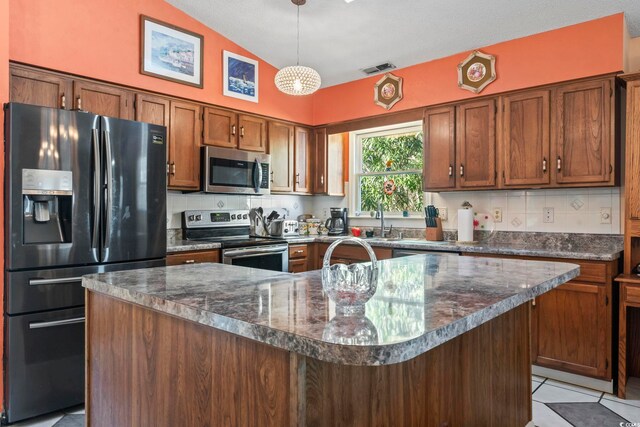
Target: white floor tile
543, 416
633, 394
630, 413
551, 394
574, 388
44, 421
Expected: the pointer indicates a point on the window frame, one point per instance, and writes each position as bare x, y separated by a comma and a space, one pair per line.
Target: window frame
355, 163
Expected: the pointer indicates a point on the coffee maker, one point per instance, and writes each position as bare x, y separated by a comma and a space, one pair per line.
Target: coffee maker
338, 224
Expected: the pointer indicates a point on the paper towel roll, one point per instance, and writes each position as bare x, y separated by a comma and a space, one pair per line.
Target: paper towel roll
465, 225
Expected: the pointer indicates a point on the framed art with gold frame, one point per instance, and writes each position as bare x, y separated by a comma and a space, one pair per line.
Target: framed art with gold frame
477, 71
387, 91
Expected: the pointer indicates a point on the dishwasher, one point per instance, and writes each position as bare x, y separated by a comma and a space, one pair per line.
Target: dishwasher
397, 253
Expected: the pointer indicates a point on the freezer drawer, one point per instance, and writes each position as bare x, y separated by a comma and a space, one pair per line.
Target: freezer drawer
39, 290
44, 362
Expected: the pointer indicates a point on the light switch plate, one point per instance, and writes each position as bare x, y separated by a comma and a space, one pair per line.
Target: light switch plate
547, 215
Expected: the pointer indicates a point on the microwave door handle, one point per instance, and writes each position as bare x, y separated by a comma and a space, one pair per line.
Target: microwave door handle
257, 175
109, 198
96, 188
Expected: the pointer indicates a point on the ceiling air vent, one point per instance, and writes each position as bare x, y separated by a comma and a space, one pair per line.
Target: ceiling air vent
378, 68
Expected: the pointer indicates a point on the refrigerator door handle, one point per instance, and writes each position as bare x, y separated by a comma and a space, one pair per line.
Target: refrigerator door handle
40, 325
109, 198
96, 188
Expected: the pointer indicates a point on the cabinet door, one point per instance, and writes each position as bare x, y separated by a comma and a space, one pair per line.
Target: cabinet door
220, 128
39, 88
253, 133
302, 162
583, 132
439, 149
103, 99
335, 165
152, 109
320, 158
476, 144
571, 330
281, 150
526, 138
632, 154
184, 150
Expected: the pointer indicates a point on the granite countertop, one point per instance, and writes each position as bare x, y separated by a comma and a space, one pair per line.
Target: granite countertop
421, 302
549, 245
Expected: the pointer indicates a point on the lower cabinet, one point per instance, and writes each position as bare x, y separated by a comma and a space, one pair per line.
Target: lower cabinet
299, 258
349, 254
193, 257
572, 325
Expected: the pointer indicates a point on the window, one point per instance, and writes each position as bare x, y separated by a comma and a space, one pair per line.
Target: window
387, 169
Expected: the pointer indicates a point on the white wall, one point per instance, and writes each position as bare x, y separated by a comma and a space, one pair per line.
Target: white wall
575, 210
178, 202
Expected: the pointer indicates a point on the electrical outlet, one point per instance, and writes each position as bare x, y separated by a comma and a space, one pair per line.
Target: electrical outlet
605, 215
443, 213
547, 215
497, 214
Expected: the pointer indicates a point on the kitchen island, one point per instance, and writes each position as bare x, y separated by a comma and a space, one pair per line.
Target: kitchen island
444, 341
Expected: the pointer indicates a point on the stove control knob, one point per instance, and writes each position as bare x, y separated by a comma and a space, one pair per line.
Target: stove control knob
244, 216
286, 230
296, 230
192, 218
233, 217
198, 217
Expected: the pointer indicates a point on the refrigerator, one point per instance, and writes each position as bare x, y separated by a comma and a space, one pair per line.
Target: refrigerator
83, 194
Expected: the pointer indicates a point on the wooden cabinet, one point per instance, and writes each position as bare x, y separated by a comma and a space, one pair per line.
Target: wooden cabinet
632, 152
184, 148
583, 132
225, 128
439, 149
281, 151
298, 258
193, 257
525, 137
152, 109
349, 254
303, 166
476, 144
320, 159
335, 164
29, 86
104, 100
252, 133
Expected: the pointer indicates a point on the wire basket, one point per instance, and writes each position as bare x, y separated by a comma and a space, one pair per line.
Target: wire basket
350, 286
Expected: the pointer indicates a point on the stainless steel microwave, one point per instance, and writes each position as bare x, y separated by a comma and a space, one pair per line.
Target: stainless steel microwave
226, 170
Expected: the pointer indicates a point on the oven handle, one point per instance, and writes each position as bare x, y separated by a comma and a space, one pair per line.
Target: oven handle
244, 253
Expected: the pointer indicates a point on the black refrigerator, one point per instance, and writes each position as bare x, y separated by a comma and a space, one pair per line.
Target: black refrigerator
83, 194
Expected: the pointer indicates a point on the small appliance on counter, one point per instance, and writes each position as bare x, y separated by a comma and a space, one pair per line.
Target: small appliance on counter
338, 224
283, 228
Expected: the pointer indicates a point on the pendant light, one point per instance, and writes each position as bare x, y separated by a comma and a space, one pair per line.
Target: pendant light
298, 79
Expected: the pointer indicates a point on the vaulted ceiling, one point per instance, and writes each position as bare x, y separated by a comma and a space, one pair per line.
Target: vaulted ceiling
339, 39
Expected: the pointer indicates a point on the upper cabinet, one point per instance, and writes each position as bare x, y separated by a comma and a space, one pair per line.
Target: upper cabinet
320, 160
224, 128
103, 99
525, 138
439, 148
476, 144
34, 87
281, 151
184, 149
328, 162
583, 136
302, 160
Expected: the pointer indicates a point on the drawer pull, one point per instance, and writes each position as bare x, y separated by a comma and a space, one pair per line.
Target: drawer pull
190, 261
300, 251
40, 325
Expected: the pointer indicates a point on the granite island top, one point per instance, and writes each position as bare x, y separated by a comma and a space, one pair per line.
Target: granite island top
547, 245
421, 302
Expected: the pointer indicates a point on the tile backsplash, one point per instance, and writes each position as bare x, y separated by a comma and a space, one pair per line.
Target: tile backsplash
178, 202
574, 210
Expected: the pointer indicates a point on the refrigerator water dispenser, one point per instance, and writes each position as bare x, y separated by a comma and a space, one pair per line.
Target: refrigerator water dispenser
47, 200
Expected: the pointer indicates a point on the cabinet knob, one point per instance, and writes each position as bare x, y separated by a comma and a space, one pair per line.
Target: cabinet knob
450, 170
544, 164
233, 130
461, 170
559, 163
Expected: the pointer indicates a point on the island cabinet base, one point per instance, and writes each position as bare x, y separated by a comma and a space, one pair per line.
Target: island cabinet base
147, 368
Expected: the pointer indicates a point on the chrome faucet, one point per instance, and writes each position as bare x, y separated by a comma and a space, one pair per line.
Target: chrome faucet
383, 229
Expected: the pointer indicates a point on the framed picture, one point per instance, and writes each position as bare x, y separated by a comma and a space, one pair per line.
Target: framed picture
170, 53
387, 91
477, 71
239, 76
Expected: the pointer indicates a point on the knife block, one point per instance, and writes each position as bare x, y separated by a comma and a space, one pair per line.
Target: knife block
434, 233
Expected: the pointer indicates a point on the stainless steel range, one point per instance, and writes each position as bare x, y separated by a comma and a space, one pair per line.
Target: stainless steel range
231, 230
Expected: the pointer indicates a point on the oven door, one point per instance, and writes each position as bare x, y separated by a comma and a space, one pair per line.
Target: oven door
235, 171
273, 257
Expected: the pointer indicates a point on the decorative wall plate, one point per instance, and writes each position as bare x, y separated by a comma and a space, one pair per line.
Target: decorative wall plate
388, 91
476, 71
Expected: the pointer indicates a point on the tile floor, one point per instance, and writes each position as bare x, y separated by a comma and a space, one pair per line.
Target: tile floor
555, 404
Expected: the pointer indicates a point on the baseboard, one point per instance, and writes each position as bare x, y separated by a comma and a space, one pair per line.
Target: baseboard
579, 380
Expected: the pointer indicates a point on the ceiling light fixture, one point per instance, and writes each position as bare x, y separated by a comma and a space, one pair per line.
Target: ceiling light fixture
298, 79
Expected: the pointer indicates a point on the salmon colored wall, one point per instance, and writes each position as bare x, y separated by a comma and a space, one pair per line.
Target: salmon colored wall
582, 50
4, 97
100, 39
633, 53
